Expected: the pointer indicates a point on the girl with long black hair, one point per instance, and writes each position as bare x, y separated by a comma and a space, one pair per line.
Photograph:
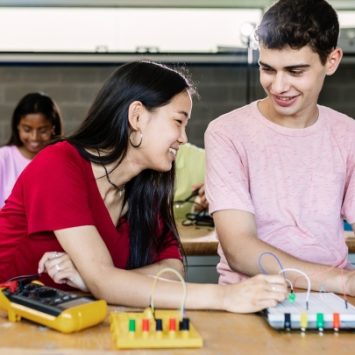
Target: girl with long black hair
102, 200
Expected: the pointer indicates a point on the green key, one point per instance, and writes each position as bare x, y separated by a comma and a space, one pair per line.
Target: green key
292, 297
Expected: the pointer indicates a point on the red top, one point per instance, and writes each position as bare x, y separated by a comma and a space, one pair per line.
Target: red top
58, 190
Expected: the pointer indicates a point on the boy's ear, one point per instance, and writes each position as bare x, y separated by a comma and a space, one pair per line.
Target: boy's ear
333, 60
134, 111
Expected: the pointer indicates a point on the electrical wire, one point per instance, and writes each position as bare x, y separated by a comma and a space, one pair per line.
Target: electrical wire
28, 278
183, 284
271, 254
307, 279
280, 265
187, 199
200, 218
283, 271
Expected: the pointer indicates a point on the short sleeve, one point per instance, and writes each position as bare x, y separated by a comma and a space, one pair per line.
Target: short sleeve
348, 208
55, 189
170, 250
3, 187
169, 247
12, 164
227, 182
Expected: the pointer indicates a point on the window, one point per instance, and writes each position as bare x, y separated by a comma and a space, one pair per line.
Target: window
346, 18
41, 29
130, 30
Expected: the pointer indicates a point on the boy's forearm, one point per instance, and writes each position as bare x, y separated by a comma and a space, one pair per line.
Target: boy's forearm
247, 259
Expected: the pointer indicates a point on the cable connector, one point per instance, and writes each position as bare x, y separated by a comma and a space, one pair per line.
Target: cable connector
11, 285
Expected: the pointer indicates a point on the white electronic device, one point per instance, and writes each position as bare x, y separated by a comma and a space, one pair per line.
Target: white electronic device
322, 310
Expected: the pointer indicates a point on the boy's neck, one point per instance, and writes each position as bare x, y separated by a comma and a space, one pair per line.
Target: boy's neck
298, 120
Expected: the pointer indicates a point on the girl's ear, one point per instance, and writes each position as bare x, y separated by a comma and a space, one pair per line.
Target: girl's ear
333, 61
134, 111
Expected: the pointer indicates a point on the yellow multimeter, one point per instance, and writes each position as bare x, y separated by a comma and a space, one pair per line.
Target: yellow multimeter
48, 306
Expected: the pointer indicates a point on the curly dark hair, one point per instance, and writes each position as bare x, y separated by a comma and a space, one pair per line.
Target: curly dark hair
297, 23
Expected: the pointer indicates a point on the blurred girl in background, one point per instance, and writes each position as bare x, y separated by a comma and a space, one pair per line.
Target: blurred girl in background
36, 120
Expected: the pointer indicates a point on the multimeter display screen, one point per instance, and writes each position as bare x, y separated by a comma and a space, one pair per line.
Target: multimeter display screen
74, 303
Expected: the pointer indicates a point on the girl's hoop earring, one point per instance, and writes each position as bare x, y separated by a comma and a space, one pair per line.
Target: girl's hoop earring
136, 145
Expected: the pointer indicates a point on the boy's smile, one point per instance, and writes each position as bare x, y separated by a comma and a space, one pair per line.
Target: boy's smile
292, 80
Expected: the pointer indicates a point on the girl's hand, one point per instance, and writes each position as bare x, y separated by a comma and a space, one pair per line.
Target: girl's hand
61, 269
255, 294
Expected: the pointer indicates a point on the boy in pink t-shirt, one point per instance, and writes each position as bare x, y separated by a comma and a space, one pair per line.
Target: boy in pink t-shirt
281, 171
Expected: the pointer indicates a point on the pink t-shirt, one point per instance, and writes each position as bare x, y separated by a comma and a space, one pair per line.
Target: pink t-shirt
12, 162
299, 183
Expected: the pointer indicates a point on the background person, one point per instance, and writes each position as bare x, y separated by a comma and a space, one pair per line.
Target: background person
190, 174
35, 121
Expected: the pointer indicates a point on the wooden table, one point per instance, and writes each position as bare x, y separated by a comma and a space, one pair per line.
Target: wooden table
350, 241
223, 333
203, 240
198, 240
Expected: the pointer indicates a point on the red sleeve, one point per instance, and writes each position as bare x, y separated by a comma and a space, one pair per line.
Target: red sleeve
171, 247
55, 189
170, 252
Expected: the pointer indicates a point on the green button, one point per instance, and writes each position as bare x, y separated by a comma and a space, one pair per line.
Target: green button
320, 321
132, 325
292, 297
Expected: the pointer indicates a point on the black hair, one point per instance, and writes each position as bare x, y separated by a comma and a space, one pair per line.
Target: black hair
149, 194
298, 23
36, 102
